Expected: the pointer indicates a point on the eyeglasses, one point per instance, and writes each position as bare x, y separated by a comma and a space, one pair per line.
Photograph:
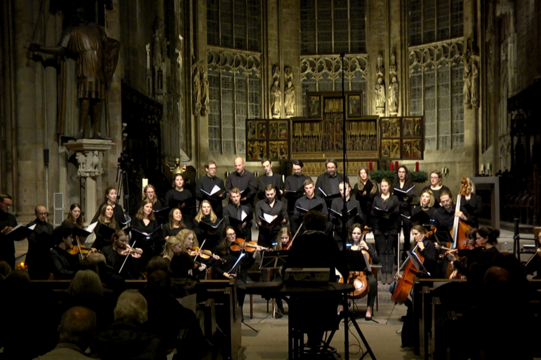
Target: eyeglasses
233, 234
445, 201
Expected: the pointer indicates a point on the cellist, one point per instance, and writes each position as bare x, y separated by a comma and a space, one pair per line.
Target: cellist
424, 247
359, 244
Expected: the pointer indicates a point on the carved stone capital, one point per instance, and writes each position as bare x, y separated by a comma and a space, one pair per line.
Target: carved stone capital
89, 155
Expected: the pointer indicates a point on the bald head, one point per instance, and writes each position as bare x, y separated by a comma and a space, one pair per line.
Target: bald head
78, 326
496, 274
239, 165
41, 212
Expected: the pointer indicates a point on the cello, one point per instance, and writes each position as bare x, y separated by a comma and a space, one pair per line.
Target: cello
358, 278
404, 285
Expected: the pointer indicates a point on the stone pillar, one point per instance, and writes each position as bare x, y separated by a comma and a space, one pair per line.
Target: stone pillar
89, 155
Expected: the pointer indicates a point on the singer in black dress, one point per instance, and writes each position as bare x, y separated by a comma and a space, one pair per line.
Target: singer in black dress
179, 197
402, 181
365, 198
145, 222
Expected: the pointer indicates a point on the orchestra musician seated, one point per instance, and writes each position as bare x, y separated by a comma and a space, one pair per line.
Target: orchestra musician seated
63, 264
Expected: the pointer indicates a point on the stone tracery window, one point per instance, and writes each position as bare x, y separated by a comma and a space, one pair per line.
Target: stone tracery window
436, 92
435, 20
333, 26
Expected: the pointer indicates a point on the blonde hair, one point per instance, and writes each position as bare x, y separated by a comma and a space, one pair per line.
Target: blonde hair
470, 183
200, 215
183, 238
431, 194
131, 307
167, 251
285, 230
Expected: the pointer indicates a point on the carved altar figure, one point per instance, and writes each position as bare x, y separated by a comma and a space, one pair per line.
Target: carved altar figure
474, 83
289, 93
96, 63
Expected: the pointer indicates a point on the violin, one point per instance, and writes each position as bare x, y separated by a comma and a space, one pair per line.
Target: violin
203, 254
243, 245
128, 250
74, 250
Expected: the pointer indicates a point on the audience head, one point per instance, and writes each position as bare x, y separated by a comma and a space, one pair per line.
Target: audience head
5, 269
315, 220
157, 263
159, 279
86, 289
78, 327
131, 307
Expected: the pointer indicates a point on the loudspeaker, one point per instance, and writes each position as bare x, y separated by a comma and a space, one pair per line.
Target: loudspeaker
58, 208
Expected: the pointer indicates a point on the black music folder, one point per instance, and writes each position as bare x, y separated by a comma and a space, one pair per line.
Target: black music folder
303, 210
350, 215
20, 232
404, 192
208, 227
329, 196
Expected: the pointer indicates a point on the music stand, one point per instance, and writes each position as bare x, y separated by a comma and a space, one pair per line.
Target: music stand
273, 259
356, 262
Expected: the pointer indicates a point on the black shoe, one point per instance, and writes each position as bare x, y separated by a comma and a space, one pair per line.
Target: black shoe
277, 315
368, 318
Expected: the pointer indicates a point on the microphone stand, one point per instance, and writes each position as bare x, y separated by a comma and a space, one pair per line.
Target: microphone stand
344, 226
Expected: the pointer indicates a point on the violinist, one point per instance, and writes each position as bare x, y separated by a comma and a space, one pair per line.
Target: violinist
110, 199
337, 206
207, 226
39, 244
106, 218
402, 181
486, 239
174, 225
426, 205
189, 244
365, 198
436, 185
465, 256
386, 225
172, 247
145, 222
283, 241
240, 213
74, 217
64, 265
115, 255
358, 244
264, 211
228, 270
179, 197
473, 203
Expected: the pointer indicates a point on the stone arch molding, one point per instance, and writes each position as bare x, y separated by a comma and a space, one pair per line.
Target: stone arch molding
436, 54
316, 66
234, 61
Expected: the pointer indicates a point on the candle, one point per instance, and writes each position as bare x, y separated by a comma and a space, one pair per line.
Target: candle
370, 165
392, 167
417, 166
396, 165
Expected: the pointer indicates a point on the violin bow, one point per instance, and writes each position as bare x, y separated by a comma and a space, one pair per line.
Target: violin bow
126, 259
294, 236
200, 248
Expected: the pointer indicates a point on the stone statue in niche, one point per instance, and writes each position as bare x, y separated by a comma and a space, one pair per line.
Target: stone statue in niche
474, 82
393, 96
380, 87
205, 99
89, 163
392, 100
276, 93
467, 77
96, 63
196, 90
289, 93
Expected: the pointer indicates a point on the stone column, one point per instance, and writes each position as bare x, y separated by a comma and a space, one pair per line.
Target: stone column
89, 155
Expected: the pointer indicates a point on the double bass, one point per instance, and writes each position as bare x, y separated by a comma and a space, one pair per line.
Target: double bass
460, 241
404, 285
358, 278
